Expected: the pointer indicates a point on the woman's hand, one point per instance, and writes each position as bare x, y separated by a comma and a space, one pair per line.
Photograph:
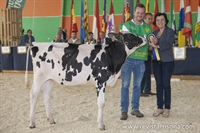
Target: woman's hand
155, 40
153, 45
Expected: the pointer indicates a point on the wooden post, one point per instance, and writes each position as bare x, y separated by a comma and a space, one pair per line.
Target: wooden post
10, 26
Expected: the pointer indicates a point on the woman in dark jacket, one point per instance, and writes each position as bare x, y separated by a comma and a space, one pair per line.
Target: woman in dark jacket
27, 39
164, 40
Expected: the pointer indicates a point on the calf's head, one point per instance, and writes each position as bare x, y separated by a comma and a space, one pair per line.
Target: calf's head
129, 39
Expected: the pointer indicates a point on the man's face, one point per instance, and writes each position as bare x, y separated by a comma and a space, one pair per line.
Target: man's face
58, 37
73, 35
139, 14
59, 29
90, 37
102, 35
148, 19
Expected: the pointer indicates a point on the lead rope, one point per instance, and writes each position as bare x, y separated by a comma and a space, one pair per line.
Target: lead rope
26, 72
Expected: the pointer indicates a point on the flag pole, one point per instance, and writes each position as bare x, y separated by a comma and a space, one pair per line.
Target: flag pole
62, 13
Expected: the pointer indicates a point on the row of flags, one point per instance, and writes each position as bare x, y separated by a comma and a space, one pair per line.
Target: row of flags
108, 25
197, 27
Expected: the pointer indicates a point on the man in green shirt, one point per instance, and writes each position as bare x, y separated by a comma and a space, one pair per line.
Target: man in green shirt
134, 63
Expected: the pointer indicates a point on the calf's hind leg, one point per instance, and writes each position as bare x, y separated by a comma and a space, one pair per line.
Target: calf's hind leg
33, 98
47, 87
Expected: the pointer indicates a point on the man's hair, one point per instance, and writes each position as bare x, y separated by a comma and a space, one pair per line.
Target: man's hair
74, 32
90, 33
59, 34
148, 14
160, 14
140, 5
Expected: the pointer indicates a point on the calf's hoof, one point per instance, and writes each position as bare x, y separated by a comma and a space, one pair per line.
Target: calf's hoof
31, 127
53, 122
102, 128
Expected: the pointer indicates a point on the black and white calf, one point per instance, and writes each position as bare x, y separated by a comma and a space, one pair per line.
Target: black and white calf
70, 64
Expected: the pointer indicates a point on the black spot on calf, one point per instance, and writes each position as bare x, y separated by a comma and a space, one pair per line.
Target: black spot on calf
48, 61
109, 62
43, 58
53, 64
88, 78
59, 74
34, 51
86, 61
38, 64
70, 63
50, 48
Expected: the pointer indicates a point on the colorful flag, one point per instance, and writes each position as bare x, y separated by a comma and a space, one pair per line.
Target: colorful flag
82, 32
15, 3
127, 12
147, 6
197, 29
111, 20
163, 6
155, 11
187, 30
73, 25
181, 37
123, 12
172, 17
137, 2
103, 24
86, 21
131, 8
96, 26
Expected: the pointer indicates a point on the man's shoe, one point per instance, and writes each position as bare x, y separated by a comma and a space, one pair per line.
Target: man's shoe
150, 93
124, 116
137, 113
144, 94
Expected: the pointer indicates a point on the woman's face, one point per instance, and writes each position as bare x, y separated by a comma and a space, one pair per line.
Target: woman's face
160, 21
29, 33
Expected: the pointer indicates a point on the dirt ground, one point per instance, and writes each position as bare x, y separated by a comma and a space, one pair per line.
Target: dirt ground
75, 110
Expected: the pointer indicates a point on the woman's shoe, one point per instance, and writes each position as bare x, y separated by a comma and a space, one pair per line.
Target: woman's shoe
166, 113
158, 112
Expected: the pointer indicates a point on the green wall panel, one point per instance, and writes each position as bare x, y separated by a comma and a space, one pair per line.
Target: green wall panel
44, 29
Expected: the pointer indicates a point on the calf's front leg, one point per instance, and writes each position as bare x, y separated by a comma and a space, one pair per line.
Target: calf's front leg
100, 103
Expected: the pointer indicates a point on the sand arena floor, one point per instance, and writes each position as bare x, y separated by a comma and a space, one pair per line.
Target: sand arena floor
75, 110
